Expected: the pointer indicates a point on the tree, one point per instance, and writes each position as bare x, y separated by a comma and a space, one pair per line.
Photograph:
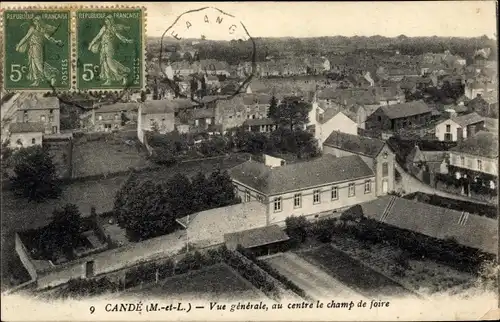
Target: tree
273, 106
64, 230
145, 212
199, 184
176, 191
5, 157
220, 190
292, 113
296, 228
35, 174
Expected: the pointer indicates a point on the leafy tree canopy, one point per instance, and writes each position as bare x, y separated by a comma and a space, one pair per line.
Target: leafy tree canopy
35, 174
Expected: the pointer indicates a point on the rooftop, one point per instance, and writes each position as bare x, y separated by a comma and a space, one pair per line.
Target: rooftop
257, 122
483, 144
301, 175
117, 107
26, 127
355, 143
256, 98
470, 230
224, 220
158, 107
467, 119
405, 109
257, 236
37, 102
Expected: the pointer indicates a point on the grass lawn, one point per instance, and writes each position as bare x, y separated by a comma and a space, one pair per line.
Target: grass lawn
353, 273
105, 156
217, 282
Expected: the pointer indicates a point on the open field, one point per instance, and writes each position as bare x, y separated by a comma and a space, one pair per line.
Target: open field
312, 279
353, 273
107, 155
217, 282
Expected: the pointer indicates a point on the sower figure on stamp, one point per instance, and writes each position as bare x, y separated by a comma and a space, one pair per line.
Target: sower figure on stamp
111, 69
33, 41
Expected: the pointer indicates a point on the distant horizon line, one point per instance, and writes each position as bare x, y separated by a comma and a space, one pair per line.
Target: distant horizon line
358, 36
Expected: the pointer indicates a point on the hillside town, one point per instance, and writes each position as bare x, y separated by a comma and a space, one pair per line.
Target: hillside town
369, 168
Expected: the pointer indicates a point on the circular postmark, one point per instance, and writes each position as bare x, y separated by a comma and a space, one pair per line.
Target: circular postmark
205, 55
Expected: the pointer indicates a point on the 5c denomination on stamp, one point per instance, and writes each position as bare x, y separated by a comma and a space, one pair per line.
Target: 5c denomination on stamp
37, 49
110, 49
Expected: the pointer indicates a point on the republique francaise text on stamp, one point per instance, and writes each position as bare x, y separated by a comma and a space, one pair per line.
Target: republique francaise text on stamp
109, 49
71, 48
37, 49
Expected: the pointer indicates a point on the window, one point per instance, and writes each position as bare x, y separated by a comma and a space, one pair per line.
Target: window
277, 204
42, 118
117, 116
247, 196
335, 193
260, 198
33, 141
462, 160
51, 111
479, 165
385, 169
316, 197
368, 186
448, 128
99, 117
25, 116
297, 200
352, 189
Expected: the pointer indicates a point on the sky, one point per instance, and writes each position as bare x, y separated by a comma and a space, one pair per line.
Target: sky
314, 19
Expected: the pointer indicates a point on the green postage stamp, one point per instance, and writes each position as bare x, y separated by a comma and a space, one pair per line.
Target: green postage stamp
71, 48
109, 49
37, 49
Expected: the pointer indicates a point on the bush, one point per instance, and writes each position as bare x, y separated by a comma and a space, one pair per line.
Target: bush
296, 228
80, 287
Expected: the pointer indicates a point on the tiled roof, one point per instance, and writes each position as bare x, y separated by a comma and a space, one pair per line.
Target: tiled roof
483, 144
228, 219
37, 102
256, 122
257, 98
158, 107
403, 148
257, 236
469, 230
324, 170
434, 156
468, 119
405, 109
201, 113
354, 143
118, 107
26, 127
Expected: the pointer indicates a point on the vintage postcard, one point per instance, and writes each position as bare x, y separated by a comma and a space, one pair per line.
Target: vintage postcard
249, 161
